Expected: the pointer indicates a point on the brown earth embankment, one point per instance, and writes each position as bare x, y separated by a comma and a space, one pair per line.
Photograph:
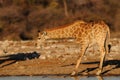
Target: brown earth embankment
24, 58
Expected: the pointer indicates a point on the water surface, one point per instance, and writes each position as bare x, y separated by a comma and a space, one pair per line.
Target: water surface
59, 78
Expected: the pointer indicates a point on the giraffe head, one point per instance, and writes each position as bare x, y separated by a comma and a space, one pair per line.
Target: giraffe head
40, 39
42, 35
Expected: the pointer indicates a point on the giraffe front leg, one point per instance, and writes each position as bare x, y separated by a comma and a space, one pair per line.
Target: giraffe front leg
83, 50
76, 67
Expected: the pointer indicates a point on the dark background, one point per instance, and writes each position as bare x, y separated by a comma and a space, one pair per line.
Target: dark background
21, 19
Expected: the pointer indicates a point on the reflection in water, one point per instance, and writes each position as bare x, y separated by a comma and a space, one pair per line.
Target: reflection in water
78, 77
99, 77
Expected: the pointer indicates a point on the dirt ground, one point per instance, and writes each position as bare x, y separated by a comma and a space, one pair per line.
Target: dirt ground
55, 60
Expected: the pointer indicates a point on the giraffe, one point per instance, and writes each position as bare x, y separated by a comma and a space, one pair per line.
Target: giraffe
84, 33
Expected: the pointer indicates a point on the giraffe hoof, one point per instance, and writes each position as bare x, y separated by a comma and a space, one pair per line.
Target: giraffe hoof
98, 73
73, 73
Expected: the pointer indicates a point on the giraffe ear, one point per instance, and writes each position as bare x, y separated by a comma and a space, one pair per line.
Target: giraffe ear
44, 33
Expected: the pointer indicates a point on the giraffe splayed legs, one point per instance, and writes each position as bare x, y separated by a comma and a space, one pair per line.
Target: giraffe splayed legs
85, 33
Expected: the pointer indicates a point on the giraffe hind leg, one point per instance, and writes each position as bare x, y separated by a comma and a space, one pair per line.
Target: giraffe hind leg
102, 56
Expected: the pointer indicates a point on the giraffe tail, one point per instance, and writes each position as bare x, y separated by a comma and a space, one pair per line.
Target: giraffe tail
107, 45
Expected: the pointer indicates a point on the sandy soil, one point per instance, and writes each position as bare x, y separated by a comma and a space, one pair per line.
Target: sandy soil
23, 58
